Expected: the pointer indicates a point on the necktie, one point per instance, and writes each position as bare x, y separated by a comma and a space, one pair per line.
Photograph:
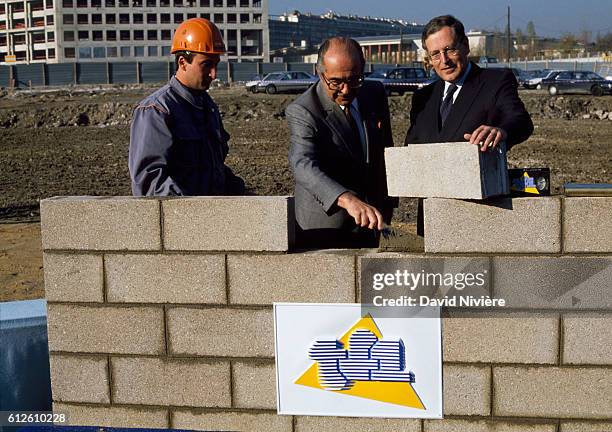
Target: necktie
354, 127
447, 103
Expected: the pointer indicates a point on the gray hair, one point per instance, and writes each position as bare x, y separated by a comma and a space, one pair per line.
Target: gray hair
351, 45
438, 23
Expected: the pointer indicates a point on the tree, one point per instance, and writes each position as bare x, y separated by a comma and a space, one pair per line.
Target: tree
531, 38
567, 43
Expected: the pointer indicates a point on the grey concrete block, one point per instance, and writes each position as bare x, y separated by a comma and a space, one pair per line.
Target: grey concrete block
507, 338
446, 170
570, 283
112, 416
220, 332
231, 421
165, 278
228, 223
100, 223
313, 277
461, 425
518, 225
587, 224
254, 385
587, 339
467, 390
585, 427
73, 278
121, 330
156, 381
69, 373
352, 424
552, 392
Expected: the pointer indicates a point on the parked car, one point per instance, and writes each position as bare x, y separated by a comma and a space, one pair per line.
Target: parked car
577, 81
277, 82
401, 79
536, 82
527, 75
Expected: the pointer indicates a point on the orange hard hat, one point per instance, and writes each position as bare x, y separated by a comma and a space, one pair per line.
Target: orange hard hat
198, 35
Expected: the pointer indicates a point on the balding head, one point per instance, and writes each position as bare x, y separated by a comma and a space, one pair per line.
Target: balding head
341, 49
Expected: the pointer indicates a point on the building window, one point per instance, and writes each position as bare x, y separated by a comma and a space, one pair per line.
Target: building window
124, 3
244, 18
231, 18
204, 3
124, 35
257, 18
178, 3
69, 52
152, 51
96, 3
111, 18
83, 19
164, 3
81, 3
85, 52
165, 51
178, 18
49, 4
218, 18
99, 52
138, 35
125, 51
137, 18
68, 36
164, 18
51, 53
96, 19
151, 18
50, 36
96, 35
136, 3
257, 4
68, 19
244, 3
19, 39
38, 38
152, 3
109, 3
124, 18
165, 35
83, 35
217, 3
151, 34
231, 3
49, 19
191, 15
111, 51
138, 51
111, 35
205, 16
39, 55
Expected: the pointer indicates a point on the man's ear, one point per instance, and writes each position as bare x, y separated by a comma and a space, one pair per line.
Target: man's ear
181, 62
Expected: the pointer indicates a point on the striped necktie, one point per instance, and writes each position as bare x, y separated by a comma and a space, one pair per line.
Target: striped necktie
447, 103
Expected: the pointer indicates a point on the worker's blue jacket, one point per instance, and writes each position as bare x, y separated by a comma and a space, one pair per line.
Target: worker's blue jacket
178, 145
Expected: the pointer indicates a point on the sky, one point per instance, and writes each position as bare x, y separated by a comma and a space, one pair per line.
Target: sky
550, 17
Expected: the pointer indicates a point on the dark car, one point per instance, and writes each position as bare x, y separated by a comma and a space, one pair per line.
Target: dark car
277, 82
400, 80
578, 82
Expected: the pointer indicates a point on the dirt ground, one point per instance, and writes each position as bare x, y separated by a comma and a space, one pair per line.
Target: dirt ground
75, 142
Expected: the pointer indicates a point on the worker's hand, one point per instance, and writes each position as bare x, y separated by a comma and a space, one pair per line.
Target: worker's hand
364, 214
486, 136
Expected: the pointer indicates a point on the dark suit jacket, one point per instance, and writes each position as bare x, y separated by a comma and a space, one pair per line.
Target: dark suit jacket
488, 96
327, 161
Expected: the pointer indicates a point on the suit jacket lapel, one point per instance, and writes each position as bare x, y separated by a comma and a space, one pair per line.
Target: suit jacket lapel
336, 120
433, 106
465, 99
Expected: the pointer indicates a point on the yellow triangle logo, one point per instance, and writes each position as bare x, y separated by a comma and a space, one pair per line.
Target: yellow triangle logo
398, 393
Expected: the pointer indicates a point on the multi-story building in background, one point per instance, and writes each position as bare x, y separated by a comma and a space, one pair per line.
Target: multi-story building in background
57, 31
296, 29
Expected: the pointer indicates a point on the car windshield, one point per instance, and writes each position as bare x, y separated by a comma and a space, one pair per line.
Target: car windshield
379, 74
274, 76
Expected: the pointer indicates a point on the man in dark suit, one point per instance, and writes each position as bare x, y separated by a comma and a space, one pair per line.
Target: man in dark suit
339, 130
467, 103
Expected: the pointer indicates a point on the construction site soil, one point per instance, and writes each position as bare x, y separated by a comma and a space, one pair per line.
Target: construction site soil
75, 142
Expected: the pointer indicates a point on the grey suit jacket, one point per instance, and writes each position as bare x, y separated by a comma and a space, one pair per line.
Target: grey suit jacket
327, 161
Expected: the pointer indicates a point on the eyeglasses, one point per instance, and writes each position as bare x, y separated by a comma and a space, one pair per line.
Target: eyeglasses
337, 84
435, 56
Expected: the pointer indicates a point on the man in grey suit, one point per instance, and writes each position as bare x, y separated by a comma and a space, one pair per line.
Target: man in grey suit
339, 130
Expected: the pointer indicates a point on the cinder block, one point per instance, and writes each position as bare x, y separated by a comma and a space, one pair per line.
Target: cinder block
264, 279
519, 225
585, 427
587, 225
516, 338
467, 390
231, 421
73, 278
351, 424
446, 170
553, 282
79, 379
165, 278
254, 385
228, 223
553, 392
126, 330
112, 416
458, 425
587, 339
220, 332
100, 223
156, 381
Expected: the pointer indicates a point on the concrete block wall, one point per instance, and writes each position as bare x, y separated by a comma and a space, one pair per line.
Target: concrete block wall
146, 331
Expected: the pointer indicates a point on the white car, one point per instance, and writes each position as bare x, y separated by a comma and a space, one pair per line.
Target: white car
537, 82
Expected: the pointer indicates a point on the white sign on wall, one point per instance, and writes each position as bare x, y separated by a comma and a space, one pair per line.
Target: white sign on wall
332, 361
